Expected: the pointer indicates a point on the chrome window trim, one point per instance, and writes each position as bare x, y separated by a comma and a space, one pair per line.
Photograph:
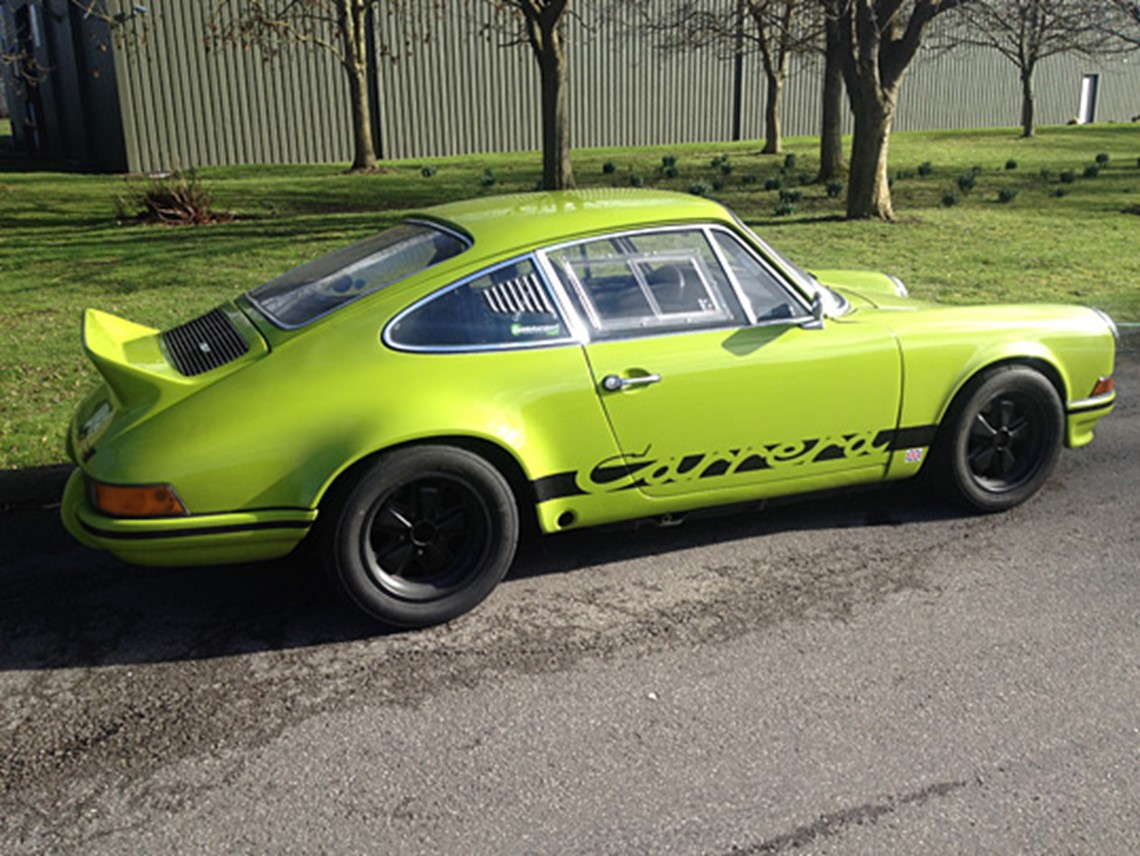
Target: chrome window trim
584, 326
578, 329
463, 238
804, 284
386, 337
776, 272
635, 263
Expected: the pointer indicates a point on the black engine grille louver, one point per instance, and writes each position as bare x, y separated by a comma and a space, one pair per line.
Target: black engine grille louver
203, 344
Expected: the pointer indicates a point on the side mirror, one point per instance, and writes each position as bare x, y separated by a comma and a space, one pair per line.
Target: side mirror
816, 321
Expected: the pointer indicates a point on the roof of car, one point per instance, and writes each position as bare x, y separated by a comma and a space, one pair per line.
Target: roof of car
505, 223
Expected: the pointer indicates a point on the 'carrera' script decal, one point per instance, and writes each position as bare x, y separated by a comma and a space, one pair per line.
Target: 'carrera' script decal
622, 472
642, 469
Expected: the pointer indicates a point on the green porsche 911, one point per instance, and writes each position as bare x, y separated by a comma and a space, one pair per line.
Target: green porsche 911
576, 358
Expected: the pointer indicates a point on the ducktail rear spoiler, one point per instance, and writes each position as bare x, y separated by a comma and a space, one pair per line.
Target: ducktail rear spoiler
133, 361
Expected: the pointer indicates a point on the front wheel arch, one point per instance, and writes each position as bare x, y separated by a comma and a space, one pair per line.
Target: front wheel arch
1044, 367
1000, 437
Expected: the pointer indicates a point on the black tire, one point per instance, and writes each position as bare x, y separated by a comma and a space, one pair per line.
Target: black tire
1001, 439
422, 536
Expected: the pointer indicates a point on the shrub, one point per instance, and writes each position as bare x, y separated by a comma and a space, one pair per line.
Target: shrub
785, 209
1046, 175
668, 161
925, 168
1068, 176
976, 170
726, 168
966, 182
487, 178
774, 183
177, 199
1007, 194
718, 161
904, 175
1091, 171
636, 180
1061, 192
792, 196
1011, 164
669, 172
700, 188
950, 199
834, 188
427, 171
718, 185
789, 161
1102, 159
751, 178
609, 168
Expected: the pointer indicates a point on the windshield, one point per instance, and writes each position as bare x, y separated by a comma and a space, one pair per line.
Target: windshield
318, 287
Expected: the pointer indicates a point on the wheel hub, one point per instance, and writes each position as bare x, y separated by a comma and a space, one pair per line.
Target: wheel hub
424, 533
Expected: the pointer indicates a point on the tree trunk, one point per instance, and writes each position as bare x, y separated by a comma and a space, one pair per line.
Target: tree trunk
556, 170
773, 134
1028, 126
353, 17
868, 191
831, 164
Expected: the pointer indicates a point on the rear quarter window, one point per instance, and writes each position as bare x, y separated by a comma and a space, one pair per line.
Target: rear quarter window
507, 307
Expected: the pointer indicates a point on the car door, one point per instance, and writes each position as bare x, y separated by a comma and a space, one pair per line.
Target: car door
713, 373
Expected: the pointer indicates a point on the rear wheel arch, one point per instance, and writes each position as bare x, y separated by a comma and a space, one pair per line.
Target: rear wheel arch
494, 454
419, 533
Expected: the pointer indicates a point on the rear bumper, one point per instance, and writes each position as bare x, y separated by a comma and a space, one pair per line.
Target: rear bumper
206, 539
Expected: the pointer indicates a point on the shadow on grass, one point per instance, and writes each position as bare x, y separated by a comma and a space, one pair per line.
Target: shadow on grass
70, 607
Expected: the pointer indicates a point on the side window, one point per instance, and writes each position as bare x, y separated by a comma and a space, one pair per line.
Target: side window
510, 306
647, 283
766, 293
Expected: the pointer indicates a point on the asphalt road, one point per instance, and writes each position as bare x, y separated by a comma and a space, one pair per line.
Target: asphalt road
879, 674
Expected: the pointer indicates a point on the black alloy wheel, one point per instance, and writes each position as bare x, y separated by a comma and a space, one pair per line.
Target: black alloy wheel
1001, 439
422, 535
427, 538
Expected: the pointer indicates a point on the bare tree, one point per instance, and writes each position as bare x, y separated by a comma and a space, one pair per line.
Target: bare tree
344, 28
20, 62
1026, 32
541, 24
774, 29
23, 62
879, 40
1125, 22
831, 162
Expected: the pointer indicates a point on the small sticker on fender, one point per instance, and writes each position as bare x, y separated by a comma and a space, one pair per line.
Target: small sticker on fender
914, 456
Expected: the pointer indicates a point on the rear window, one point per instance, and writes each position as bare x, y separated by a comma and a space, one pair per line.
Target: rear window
318, 287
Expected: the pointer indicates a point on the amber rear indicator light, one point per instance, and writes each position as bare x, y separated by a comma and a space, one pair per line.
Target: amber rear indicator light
154, 500
1103, 386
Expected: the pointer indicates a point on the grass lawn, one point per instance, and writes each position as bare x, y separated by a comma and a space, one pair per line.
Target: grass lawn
61, 248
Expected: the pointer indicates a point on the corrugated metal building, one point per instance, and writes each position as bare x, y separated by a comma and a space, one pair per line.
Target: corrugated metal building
155, 98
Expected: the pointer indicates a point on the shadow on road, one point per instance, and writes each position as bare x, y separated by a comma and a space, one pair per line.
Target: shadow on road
66, 606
